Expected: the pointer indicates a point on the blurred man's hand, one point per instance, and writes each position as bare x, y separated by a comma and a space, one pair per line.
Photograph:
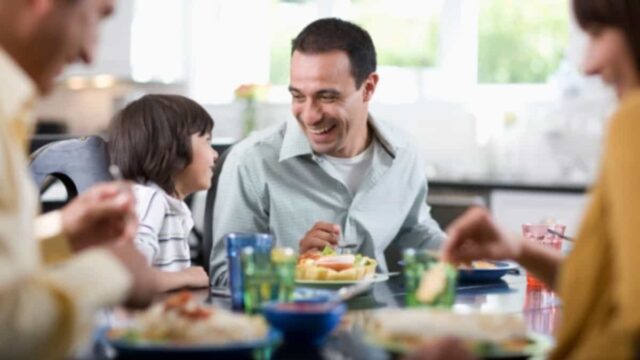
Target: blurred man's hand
101, 215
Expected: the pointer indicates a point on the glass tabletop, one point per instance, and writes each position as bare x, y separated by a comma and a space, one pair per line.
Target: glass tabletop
540, 308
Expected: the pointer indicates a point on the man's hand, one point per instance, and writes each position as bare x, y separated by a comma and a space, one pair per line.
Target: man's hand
321, 234
145, 285
475, 236
101, 215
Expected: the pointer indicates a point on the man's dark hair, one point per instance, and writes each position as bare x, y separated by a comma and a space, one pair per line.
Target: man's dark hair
150, 139
623, 15
330, 34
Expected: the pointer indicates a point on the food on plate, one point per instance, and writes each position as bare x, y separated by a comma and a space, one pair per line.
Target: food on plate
478, 265
406, 329
180, 320
329, 266
437, 285
432, 283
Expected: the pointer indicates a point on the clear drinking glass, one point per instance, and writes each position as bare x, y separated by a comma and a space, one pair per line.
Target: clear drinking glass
261, 243
548, 235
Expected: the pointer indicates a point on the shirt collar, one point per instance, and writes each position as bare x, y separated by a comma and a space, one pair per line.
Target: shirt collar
17, 90
295, 142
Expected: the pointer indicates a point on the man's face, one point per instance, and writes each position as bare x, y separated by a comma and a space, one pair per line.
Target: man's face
330, 110
66, 33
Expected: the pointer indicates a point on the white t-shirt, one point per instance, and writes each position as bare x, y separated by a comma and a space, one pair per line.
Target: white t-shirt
164, 226
350, 171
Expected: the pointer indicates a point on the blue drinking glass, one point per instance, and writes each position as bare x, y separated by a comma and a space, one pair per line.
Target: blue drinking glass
261, 243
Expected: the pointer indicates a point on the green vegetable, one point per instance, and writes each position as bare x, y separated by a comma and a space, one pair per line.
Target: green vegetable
446, 299
328, 250
131, 336
358, 260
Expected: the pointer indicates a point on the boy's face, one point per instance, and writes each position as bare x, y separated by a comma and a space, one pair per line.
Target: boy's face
197, 175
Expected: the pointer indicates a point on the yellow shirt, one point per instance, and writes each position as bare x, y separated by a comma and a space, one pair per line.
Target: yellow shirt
599, 282
44, 310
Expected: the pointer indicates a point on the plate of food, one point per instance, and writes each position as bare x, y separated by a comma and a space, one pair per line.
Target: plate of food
329, 269
484, 271
488, 336
180, 327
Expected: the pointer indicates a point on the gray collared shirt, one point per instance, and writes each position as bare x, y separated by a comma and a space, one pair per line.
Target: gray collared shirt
272, 182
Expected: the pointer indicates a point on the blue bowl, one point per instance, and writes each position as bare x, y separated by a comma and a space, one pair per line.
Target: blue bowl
304, 323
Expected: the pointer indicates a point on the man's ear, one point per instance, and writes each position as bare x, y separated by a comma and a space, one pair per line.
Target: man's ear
369, 85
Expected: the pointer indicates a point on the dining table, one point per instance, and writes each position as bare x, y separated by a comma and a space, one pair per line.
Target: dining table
540, 308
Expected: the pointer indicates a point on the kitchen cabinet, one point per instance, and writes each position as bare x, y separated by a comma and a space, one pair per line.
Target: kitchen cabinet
511, 204
511, 209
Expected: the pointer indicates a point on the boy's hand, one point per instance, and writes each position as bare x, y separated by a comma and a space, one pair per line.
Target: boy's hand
196, 277
101, 215
145, 286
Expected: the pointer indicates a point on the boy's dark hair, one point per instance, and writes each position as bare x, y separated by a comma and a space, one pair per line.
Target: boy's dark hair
620, 14
150, 139
330, 34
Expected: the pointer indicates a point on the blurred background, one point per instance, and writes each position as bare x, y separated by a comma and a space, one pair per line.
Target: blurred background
491, 89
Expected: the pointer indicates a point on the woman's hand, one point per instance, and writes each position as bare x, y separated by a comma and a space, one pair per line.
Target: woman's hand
475, 236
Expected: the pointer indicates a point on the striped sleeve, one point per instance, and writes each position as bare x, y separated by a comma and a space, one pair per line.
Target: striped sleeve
150, 208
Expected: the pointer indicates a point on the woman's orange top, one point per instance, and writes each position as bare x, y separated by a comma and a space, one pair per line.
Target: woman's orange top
600, 279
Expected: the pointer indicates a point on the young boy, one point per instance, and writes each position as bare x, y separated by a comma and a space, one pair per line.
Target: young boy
163, 144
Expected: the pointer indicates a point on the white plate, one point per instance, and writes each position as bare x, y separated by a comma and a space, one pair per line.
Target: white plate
340, 283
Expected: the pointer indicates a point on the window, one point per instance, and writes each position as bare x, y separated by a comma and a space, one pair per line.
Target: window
287, 19
521, 41
405, 32
427, 49
157, 49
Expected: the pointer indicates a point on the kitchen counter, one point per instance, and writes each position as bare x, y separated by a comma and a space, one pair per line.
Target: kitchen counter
488, 184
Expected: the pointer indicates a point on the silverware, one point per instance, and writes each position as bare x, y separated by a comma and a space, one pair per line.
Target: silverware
389, 274
345, 248
116, 174
347, 292
562, 236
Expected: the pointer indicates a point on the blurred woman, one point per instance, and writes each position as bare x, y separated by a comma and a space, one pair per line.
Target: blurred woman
598, 281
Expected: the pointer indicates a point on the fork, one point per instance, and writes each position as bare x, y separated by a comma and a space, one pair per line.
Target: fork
346, 247
562, 236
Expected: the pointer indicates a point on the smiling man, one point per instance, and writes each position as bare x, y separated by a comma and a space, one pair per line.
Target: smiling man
335, 175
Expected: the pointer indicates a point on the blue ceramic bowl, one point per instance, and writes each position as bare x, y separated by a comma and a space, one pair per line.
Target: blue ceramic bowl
304, 322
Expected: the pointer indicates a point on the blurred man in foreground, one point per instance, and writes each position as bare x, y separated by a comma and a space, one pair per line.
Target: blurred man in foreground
45, 307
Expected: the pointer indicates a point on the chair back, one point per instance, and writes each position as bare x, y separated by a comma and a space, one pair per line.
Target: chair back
207, 236
78, 163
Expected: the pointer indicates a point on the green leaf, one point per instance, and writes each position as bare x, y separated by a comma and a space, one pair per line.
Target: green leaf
328, 250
